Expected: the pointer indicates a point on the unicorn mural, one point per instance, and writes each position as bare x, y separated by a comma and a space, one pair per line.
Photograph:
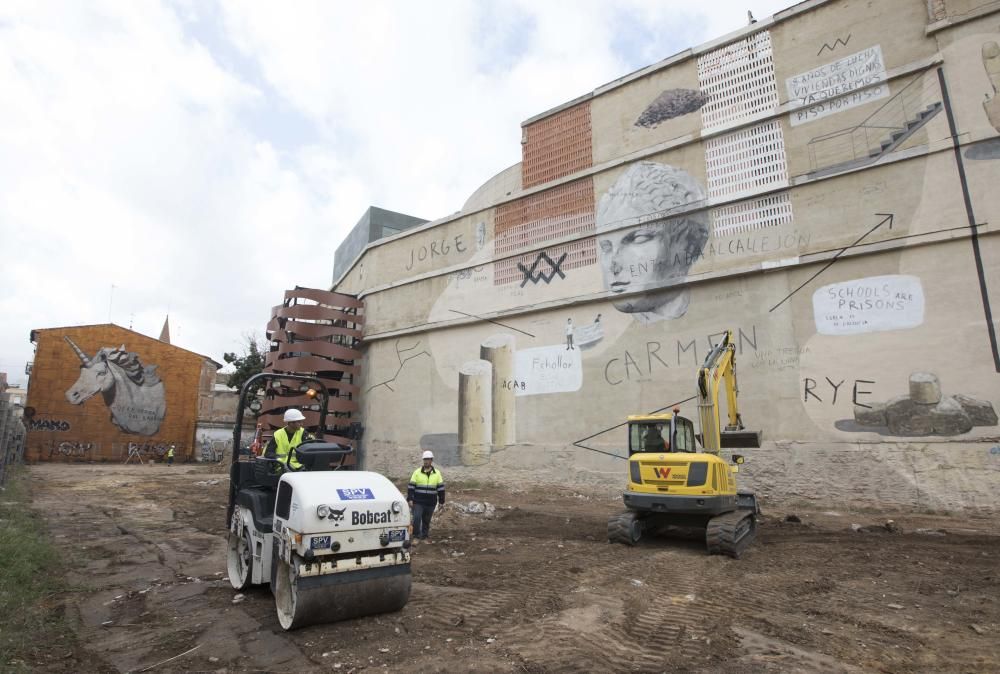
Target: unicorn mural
134, 394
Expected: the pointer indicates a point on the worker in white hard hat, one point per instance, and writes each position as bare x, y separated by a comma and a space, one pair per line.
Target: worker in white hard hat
288, 438
424, 493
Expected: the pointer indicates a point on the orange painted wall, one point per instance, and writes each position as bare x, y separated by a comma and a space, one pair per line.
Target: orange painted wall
61, 431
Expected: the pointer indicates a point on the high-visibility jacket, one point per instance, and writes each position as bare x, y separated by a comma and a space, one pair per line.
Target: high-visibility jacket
426, 488
170, 453
283, 447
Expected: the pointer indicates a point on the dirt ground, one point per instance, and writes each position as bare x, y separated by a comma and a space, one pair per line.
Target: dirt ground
534, 588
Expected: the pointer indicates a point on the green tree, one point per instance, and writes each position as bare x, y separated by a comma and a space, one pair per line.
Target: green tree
247, 364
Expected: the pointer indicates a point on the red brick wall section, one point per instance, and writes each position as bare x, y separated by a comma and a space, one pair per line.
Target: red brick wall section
557, 146
62, 431
538, 218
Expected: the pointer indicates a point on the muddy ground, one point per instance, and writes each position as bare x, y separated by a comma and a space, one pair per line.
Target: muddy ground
535, 588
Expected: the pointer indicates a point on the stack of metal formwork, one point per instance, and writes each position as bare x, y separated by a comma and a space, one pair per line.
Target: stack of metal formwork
317, 333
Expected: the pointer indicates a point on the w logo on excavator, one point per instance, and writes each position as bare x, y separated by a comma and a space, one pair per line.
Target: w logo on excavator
662, 473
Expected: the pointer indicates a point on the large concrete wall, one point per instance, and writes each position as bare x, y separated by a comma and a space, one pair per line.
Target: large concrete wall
754, 185
153, 402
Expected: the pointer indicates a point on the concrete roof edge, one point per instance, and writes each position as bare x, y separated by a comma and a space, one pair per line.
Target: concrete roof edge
690, 52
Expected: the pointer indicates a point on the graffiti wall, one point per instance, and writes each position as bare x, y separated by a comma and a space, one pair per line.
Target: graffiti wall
104, 393
818, 185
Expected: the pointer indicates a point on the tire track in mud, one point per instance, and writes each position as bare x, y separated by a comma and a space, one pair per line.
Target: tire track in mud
467, 609
602, 612
642, 614
149, 596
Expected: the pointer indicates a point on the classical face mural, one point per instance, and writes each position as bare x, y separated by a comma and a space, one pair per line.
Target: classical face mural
647, 264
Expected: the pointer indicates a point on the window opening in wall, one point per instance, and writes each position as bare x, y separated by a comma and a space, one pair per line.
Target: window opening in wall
738, 80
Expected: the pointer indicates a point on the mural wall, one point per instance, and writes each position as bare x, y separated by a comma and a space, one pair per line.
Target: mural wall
104, 393
799, 186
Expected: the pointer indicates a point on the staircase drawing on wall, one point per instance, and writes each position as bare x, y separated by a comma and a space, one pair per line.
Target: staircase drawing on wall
880, 133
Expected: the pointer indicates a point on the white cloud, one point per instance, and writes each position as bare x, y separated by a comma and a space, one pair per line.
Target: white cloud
204, 157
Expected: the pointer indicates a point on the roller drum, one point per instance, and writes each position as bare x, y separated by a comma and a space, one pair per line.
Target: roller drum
313, 600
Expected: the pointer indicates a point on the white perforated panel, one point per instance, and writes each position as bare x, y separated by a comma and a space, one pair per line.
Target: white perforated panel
746, 216
738, 80
746, 161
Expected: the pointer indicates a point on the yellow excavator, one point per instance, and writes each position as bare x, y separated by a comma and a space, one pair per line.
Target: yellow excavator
673, 484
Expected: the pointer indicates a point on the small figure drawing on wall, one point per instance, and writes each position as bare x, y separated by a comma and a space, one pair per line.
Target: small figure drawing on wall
647, 265
569, 334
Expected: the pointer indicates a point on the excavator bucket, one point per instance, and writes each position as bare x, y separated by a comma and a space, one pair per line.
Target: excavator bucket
740, 439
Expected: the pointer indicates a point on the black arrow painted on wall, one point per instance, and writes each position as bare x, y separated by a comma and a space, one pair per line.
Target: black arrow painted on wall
888, 218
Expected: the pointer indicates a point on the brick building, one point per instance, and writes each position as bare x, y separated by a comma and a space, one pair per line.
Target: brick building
102, 392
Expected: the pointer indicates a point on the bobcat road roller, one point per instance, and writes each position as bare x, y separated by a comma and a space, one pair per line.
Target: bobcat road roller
332, 543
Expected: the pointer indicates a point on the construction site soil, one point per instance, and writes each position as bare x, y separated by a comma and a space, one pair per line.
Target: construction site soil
530, 585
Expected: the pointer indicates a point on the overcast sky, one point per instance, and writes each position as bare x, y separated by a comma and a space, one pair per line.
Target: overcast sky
201, 157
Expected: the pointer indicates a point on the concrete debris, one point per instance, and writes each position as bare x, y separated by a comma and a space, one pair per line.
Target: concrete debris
855, 527
490, 640
895, 606
926, 411
487, 510
978, 629
239, 598
931, 532
207, 483
637, 582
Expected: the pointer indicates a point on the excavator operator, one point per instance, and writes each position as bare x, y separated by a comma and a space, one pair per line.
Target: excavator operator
653, 440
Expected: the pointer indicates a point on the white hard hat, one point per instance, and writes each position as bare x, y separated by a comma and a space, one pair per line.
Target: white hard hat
428, 455
294, 415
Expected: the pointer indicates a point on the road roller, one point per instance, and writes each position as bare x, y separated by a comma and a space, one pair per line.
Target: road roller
332, 543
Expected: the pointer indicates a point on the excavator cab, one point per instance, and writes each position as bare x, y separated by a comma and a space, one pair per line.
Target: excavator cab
660, 433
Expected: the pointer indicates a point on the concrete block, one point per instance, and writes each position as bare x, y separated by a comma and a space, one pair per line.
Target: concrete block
908, 418
981, 412
870, 416
925, 388
948, 418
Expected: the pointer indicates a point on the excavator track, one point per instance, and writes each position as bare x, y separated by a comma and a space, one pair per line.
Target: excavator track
731, 533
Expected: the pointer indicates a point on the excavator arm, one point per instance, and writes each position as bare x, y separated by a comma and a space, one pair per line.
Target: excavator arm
718, 370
